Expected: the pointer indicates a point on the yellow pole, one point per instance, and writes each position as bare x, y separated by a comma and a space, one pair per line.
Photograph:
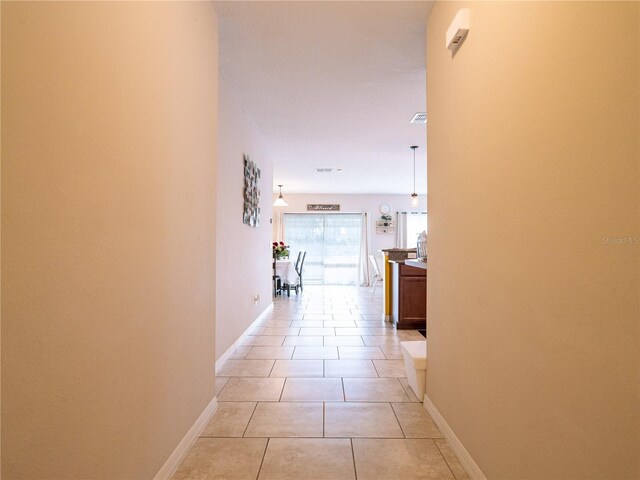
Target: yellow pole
387, 286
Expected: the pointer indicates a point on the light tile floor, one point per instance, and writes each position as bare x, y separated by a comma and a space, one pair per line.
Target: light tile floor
318, 391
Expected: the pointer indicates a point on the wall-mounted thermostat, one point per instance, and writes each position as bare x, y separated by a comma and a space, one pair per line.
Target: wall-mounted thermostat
457, 31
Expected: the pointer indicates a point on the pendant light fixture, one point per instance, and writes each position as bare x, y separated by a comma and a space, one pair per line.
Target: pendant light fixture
414, 195
280, 200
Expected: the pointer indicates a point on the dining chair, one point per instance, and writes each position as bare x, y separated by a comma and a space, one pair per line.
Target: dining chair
298, 266
377, 278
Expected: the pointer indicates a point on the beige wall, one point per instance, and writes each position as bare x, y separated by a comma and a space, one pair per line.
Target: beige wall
243, 257
108, 207
533, 165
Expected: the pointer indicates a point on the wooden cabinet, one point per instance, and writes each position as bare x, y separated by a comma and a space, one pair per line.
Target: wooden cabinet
409, 296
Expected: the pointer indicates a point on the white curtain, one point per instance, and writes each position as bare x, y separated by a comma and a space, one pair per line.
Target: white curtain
401, 229
365, 242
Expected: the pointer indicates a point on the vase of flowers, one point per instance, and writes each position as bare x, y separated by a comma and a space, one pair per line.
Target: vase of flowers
280, 250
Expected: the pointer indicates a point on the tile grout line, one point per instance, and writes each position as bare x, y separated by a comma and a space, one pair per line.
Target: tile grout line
324, 418
273, 365
282, 391
264, 454
444, 458
250, 418
405, 393
384, 354
376, 369
353, 456
398, 420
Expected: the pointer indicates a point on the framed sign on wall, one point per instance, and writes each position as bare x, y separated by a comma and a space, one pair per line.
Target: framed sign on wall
323, 207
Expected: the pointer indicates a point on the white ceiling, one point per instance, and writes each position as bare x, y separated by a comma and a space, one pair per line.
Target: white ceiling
332, 85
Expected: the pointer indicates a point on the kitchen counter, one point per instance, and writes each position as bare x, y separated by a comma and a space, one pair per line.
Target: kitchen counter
408, 294
416, 263
400, 253
395, 254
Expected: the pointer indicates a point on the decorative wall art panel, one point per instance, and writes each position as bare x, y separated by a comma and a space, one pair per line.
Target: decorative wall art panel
251, 215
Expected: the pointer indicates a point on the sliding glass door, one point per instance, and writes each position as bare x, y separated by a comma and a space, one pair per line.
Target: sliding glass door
332, 243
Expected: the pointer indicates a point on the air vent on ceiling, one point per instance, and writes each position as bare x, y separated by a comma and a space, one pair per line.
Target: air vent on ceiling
420, 117
328, 170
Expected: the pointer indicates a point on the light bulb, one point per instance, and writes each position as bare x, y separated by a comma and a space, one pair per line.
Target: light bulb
280, 200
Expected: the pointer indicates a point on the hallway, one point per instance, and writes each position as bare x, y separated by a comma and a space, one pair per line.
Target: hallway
318, 391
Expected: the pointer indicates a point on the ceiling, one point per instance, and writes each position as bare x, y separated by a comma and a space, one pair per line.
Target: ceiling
332, 84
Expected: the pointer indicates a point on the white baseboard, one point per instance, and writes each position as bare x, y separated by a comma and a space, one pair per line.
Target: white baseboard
225, 356
176, 458
467, 462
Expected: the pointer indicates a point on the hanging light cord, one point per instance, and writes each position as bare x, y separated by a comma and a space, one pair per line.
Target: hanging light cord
414, 170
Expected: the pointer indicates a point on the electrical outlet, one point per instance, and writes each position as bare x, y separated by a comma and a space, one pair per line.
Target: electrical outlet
256, 298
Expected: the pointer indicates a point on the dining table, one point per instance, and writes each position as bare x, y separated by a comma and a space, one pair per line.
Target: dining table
286, 270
